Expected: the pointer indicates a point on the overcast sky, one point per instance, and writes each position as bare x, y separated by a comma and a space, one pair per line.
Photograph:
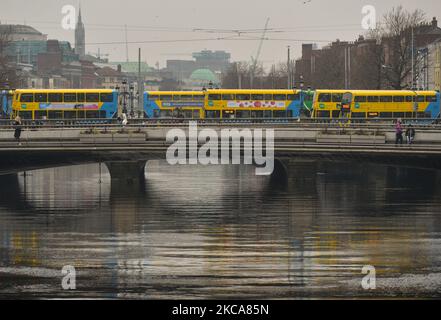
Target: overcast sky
175, 20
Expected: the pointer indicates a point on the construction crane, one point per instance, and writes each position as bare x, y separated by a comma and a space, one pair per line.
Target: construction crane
255, 60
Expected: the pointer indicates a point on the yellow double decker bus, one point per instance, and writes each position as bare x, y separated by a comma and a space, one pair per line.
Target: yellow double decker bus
253, 104
174, 104
65, 104
371, 104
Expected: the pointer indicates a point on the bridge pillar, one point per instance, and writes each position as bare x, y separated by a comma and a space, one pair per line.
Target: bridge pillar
129, 172
280, 173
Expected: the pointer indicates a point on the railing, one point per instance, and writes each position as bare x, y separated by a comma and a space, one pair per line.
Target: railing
322, 123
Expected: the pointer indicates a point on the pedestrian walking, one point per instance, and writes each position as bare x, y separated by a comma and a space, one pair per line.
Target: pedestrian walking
18, 128
410, 134
398, 133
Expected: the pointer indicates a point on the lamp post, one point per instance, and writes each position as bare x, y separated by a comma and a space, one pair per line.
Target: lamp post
131, 96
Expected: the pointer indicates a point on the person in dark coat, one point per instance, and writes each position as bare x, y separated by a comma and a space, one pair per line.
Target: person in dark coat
410, 134
17, 126
398, 132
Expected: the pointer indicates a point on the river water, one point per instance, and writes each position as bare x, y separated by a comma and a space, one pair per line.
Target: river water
222, 232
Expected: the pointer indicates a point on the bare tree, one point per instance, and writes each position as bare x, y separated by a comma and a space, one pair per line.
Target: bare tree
399, 26
8, 69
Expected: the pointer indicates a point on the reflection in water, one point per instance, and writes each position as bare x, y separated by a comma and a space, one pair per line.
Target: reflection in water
222, 232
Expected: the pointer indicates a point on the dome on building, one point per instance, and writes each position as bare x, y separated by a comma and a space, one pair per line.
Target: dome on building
20, 32
205, 75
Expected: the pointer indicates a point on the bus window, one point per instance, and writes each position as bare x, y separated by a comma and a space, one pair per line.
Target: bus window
257, 114
92, 97
268, 97
398, 98
153, 97
420, 99
92, 114
70, 97
182, 97
27, 97
257, 97
70, 114
106, 97
55, 114
387, 115
293, 97
360, 99
55, 97
358, 115
81, 97
408, 115
336, 113
430, 98
166, 97
227, 97
410, 99
243, 114
40, 97
280, 97
398, 114
385, 98
214, 97
337, 97
243, 97
324, 97
198, 97
40, 114
373, 99
267, 114
26, 115
213, 114
323, 114
279, 114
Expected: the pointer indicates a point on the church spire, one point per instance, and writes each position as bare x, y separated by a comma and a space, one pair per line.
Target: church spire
80, 35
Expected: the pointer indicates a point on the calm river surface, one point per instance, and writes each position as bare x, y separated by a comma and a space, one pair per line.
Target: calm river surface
222, 232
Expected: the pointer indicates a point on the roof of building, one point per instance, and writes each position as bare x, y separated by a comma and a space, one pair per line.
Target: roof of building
203, 75
19, 29
132, 67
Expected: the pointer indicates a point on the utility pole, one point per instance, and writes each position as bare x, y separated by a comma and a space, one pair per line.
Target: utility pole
127, 44
413, 60
289, 67
140, 86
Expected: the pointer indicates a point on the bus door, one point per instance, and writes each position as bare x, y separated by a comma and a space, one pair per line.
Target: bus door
346, 105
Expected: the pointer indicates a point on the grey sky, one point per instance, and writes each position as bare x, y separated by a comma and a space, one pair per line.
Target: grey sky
175, 19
